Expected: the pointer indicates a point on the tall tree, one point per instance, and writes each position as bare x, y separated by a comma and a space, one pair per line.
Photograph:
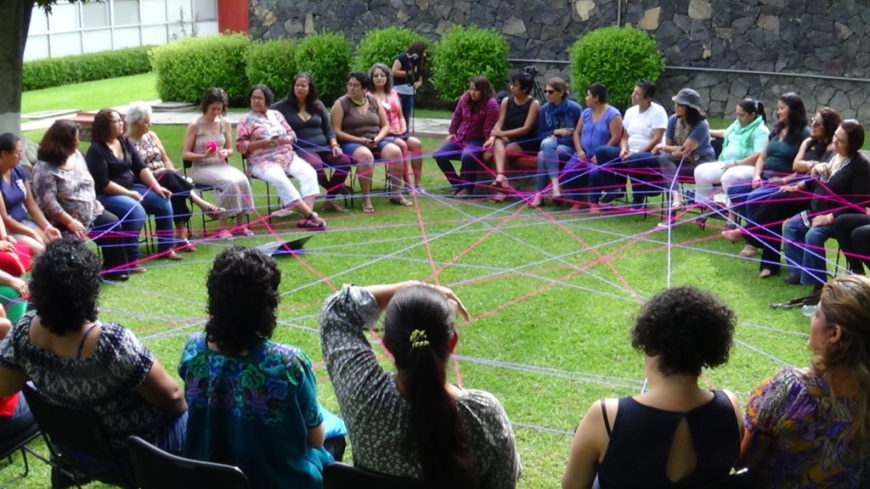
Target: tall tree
14, 24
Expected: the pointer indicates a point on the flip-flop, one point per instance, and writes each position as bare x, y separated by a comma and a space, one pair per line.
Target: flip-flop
368, 209
214, 211
401, 201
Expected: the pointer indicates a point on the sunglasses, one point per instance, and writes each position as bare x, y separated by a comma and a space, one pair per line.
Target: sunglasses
548, 91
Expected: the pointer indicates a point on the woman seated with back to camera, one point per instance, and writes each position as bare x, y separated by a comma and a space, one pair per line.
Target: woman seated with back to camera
253, 402
315, 138
515, 132
675, 434
414, 423
267, 140
76, 360
810, 427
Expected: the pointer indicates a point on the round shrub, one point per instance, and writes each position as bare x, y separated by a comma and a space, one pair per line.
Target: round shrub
187, 68
617, 57
326, 57
466, 52
272, 63
383, 45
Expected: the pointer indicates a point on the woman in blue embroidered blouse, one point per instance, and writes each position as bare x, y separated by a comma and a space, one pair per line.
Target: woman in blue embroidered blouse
252, 402
556, 121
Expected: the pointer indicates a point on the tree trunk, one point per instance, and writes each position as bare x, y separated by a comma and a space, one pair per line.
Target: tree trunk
14, 24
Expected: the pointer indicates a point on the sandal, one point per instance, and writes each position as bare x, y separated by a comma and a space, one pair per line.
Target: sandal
312, 222
186, 246
401, 201
224, 234
368, 208
213, 211
243, 232
748, 251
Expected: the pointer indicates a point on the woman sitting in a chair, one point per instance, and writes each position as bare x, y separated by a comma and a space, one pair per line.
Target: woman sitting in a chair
253, 403
78, 361
414, 424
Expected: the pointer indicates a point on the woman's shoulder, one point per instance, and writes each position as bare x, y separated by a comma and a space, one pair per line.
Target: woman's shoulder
479, 401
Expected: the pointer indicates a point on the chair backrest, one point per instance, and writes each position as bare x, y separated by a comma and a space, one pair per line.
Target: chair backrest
79, 431
157, 469
343, 476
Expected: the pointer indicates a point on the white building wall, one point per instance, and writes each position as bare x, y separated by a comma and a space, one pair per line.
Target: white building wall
76, 28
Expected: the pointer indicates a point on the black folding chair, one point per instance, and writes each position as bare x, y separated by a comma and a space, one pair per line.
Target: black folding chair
19, 441
86, 445
343, 476
157, 469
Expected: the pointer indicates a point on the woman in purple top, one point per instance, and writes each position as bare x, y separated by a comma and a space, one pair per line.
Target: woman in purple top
471, 125
596, 140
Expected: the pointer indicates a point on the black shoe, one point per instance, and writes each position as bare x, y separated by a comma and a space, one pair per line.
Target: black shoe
116, 276
792, 279
610, 197
638, 204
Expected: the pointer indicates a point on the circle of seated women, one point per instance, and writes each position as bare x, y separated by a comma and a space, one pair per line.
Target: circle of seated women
127, 188
208, 144
154, 155
266, 139
316, 142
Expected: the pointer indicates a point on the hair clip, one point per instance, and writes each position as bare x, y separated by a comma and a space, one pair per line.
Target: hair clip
419, 338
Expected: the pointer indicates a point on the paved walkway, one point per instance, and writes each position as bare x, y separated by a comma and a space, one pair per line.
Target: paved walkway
423, 127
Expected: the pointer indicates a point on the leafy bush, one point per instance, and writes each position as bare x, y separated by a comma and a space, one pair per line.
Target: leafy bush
464, 53
54, 72
617, 57
272, 63
383, 45
187, 68
326, 57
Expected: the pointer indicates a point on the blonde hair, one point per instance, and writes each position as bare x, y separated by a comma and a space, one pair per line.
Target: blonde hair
845, 301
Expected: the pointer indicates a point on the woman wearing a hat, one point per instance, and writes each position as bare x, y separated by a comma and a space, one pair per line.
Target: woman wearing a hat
687, 141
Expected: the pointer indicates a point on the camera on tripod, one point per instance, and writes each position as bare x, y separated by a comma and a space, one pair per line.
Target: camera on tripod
530, 70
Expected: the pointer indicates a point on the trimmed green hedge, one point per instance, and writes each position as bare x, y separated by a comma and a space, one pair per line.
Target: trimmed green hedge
464, 53
54, 72
617, 57
326, 57
383, 45
272, 63
187, 68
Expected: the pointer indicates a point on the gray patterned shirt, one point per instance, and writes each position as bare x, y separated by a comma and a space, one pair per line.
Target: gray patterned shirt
377, 416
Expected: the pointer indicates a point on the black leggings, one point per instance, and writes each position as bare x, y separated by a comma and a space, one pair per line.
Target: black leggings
180, 188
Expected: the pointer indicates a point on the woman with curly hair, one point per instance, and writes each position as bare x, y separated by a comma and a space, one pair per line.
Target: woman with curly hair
253, 403
675, 431
809, 427
415, 423
79, 361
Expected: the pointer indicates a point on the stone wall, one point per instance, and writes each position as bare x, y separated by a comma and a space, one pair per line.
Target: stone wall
768, 37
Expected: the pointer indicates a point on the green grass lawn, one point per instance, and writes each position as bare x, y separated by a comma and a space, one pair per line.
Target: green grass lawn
552, 296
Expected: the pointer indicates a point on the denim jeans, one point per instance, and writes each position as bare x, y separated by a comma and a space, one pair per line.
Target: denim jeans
805, 250
550, 159
132, 215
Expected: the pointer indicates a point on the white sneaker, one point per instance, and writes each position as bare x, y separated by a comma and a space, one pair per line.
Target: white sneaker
283, 212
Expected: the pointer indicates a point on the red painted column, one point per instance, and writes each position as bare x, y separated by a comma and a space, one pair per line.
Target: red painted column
233, 16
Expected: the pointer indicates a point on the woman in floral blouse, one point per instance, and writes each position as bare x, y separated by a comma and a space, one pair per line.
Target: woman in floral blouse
252, 402
810, 427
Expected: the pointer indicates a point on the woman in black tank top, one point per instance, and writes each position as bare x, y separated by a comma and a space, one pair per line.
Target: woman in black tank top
674, 434
515, 132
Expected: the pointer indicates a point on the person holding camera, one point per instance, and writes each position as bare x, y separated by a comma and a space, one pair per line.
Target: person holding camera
408, 76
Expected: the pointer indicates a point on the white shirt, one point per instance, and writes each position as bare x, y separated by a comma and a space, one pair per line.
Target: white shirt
640, 125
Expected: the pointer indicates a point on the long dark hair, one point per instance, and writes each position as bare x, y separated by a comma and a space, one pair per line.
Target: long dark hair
830, 122
797, 118
312, 105
486, 92
693, 116
58, 143
418, 328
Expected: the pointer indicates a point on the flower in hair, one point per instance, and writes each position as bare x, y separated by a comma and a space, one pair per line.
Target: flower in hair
419, 338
